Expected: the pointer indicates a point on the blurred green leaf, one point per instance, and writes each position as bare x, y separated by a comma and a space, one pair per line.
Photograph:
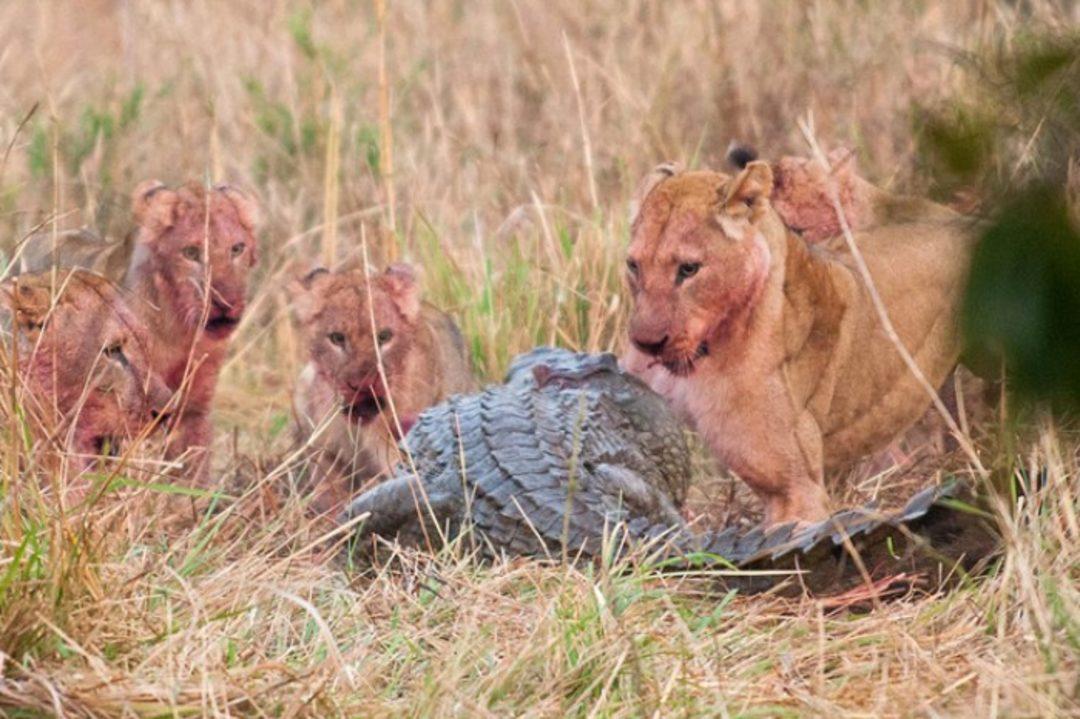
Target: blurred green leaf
961, 141
1043, 62
1022, 306
300, 29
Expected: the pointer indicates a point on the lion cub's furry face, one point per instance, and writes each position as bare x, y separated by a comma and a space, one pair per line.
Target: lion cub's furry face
350, 321
696, 262
83, 351
198, 247
801, 194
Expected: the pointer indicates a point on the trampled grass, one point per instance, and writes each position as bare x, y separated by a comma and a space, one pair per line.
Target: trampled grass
498, 155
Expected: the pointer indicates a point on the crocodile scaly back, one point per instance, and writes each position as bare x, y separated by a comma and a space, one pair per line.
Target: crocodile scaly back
572, 458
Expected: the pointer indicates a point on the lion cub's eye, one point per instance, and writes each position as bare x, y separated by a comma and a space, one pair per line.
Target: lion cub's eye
115, 352
192, 253
238, 249
337, 338
687, 270
632, 267
385, 335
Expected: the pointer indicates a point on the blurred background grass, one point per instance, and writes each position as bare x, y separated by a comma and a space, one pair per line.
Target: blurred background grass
495, 143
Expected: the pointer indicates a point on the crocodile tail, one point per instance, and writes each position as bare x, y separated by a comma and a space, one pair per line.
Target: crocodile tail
396, 508
933, 539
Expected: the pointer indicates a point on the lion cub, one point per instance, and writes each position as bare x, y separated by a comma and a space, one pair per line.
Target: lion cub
82, 361
771, 345
351, 413
800, 195
188, 262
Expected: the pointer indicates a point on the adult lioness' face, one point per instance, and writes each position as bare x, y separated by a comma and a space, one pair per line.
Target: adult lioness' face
200, 247
352, 321
696, 262
82, 351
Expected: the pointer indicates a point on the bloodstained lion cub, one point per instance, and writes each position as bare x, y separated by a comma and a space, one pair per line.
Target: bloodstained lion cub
771, 346
187, 263
82, 359
349, 322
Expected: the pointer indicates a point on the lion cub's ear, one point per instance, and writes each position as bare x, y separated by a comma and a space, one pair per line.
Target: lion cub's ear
648, 183
247, 209
302, 294
28, 304
400, 283
154, 206
744, 199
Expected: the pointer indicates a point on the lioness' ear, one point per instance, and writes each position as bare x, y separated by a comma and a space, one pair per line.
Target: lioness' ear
247, 209
302, 294
400, 282
154, 206
744, 199
751, 187
648, 183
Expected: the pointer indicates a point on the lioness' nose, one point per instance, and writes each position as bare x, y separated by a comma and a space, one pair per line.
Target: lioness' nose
650, 348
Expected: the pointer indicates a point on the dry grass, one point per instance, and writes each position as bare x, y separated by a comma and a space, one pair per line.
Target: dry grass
517, 130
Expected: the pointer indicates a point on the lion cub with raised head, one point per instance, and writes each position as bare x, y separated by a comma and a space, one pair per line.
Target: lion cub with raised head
351, 413
187, 262
771, 346
83, 361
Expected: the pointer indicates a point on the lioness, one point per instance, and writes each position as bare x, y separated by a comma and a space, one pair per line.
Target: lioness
82, 358
770, 345
188, 261
351, 323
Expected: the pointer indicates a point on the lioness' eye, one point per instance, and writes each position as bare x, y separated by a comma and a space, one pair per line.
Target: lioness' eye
192, 252
238, 249
385, 335
687, 270
632, 267
337, 338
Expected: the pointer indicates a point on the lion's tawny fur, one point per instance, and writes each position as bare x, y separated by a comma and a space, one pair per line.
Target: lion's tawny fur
771, 346
187, 262
351, 419
83, 360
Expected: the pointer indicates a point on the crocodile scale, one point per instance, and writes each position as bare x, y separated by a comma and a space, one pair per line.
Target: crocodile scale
573, 458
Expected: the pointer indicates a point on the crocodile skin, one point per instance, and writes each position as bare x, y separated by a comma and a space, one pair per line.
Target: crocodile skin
572, 458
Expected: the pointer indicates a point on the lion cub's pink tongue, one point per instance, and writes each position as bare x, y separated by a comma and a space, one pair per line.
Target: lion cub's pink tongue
407, 423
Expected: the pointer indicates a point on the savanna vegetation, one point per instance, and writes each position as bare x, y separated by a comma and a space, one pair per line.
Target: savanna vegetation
495, 144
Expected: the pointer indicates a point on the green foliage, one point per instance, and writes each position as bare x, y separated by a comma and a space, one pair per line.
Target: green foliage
300, 30
1015, 143
37, 153
1023, 297
367, 139
293, 135
99, 126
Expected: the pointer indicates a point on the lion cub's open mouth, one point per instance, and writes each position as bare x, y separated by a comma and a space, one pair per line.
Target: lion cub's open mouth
223, 326
107, 446
364, 408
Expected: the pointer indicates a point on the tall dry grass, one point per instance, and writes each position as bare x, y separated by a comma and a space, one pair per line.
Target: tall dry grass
494, 143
